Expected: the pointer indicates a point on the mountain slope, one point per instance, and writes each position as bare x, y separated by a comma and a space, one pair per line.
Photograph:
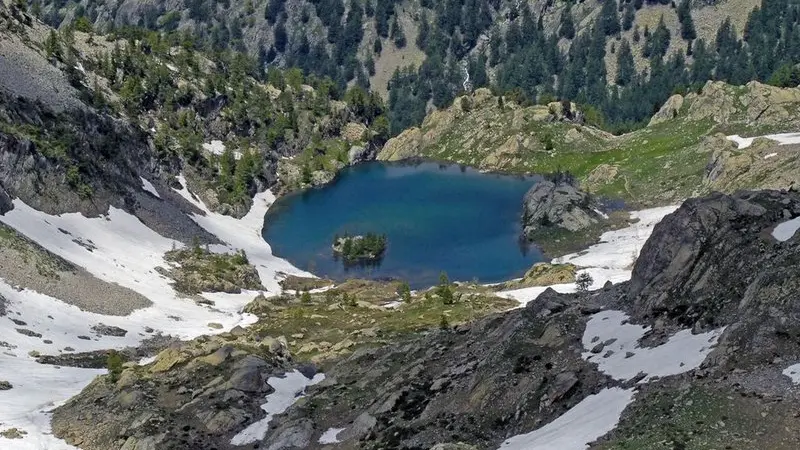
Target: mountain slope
561, 370
680, 154
455, 45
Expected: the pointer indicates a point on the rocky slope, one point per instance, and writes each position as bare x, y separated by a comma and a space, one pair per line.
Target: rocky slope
683, 152
724, 265
103, 114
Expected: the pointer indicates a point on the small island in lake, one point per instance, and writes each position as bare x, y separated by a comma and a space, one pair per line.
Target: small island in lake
360, 249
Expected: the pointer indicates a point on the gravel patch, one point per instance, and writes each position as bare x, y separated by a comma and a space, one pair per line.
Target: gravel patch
18, 62
30, 267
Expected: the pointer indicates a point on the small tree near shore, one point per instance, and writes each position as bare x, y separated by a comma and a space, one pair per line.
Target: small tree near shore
583, 281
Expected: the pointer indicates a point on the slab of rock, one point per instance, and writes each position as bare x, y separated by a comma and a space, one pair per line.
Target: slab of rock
109, 330
557, 204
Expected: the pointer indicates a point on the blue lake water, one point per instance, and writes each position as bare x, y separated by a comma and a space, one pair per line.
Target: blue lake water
437, 218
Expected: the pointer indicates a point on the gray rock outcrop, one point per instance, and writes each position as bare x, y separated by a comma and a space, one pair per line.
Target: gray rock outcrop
557, 204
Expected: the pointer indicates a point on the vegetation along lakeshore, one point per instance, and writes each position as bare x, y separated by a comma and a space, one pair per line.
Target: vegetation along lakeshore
399, 224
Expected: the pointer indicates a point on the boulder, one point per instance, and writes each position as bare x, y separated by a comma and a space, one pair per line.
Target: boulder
668, 111
557, 204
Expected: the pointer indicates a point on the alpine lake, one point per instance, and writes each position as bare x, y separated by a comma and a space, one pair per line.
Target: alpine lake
436, 218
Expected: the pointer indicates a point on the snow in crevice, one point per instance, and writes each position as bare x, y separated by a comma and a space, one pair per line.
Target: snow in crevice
122, 250
609, 260
793, 372
330, 436
780, 138
786, 230
288, 389
620, 354
623, 358
148, 187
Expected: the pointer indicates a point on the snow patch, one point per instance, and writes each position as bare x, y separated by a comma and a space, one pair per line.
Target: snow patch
609, 260
683, 351
330, 436
780, 138
771, 155
148, 187
590, 419
786, 230
214, 147
793, 372
147, 360
288, 390
217, 147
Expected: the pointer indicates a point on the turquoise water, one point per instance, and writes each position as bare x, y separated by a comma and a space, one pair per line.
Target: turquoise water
438, 218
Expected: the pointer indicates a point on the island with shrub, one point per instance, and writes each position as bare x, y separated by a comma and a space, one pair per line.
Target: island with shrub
360, 249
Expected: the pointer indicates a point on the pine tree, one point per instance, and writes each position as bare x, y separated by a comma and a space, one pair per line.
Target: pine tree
567, 28
625, 67
628, 17
608, 19
281, 39
687, 24
52, 46
397, 34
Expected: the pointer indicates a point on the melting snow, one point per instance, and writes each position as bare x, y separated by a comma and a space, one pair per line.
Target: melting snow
683, 351
793, 372
785, 230
287, 391
217, 147
609, 260
330, 436
622, 357
590, 419
116, 248
148, 186
780, 138
771, 155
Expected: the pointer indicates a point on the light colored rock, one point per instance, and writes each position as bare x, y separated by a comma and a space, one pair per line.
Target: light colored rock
668, 111
354, 132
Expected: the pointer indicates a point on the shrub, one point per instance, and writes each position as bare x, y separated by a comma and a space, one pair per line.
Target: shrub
114, 365
583, 281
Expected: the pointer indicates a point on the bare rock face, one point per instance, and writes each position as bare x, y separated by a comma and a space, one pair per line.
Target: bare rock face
557, 204
6, 204
668, 111
197, 394
756, 103
705, 264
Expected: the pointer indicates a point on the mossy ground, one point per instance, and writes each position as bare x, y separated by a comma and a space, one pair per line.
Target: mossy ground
324, 325
703, 417
656, 165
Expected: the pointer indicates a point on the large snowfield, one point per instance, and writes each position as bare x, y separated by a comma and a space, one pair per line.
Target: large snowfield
118, 248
